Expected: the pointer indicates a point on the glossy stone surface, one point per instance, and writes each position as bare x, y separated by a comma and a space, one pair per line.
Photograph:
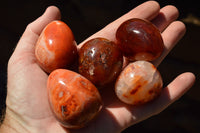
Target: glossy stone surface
139, 83
56, 47
100, 61
74, 99
139, 40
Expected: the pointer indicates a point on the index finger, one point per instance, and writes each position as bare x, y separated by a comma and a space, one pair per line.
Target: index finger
33, 30
147, 10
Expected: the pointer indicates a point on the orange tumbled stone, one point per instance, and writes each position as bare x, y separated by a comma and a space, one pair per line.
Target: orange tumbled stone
74, 100
56, 47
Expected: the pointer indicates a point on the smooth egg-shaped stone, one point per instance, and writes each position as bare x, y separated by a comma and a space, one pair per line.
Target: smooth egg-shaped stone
56, 47
139, 83
74, 100
139, 40
100, 61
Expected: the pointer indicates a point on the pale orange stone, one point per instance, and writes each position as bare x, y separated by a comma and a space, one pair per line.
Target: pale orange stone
139, 83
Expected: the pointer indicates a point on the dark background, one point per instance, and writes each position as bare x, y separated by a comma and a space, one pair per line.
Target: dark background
86, 17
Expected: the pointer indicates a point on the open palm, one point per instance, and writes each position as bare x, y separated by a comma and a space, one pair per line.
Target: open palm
27, 101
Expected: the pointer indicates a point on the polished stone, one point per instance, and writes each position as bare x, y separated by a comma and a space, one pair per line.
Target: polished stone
74, 100
139, 40
139, 83
100, 61
56, 47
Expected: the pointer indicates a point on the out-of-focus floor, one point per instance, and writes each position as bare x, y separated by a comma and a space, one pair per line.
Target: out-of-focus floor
85, 17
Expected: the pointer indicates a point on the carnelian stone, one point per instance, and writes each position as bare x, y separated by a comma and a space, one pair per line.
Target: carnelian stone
100, 61
139, 83
56, 47
139, 40
74, 100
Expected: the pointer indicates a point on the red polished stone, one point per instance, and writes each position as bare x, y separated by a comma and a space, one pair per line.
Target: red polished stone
56, 47
100, 61
74, 100
139, 83
139, 40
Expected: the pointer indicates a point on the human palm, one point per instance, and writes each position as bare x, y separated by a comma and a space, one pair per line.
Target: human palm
27, 95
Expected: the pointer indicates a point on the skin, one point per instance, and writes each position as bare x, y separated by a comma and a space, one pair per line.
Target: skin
27, 106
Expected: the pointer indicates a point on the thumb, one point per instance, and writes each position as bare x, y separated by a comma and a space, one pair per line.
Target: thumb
29, 38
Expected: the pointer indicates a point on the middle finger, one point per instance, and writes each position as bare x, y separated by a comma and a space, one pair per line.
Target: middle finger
166, 16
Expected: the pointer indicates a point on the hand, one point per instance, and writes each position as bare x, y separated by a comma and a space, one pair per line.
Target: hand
27, 103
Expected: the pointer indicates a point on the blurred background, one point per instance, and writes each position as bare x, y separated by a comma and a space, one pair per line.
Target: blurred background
86, 17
